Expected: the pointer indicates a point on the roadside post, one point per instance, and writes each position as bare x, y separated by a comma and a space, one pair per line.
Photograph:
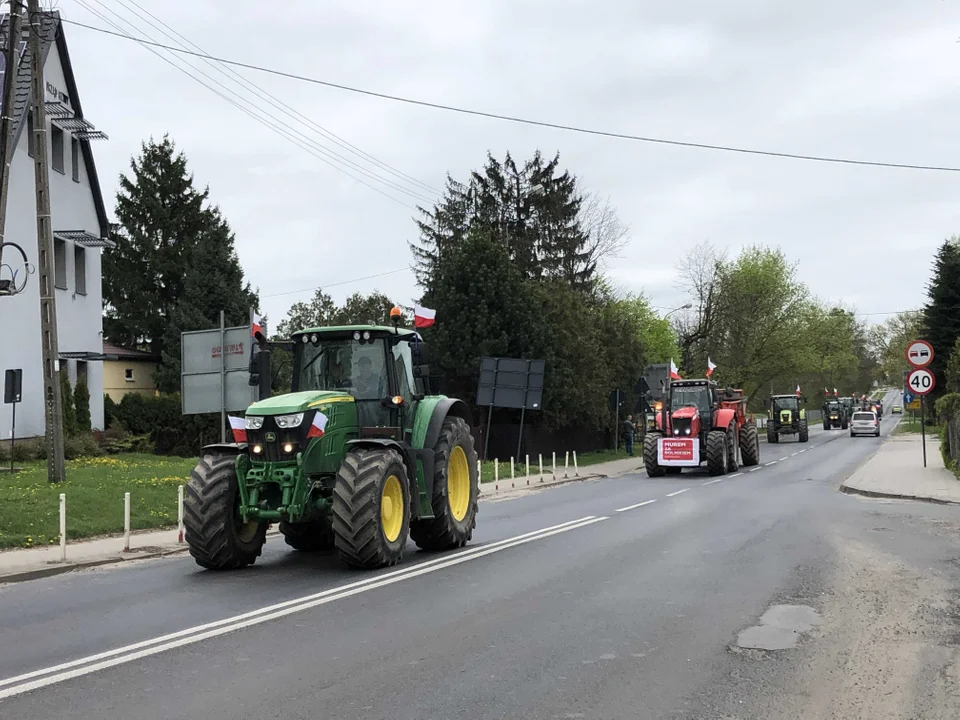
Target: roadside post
63, 527
126, 522
921, 382
12, 391
180, 513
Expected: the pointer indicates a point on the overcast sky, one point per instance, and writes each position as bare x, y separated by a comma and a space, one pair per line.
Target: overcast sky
864, 79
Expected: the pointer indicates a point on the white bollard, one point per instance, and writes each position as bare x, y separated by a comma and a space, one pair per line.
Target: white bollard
126, 522
496, 473
180, 514
513, 473
479, 471
528, 466
554, 463
63, 527
566, 464
541, 466
576, 470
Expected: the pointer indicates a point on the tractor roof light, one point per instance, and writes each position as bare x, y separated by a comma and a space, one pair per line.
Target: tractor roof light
396, 312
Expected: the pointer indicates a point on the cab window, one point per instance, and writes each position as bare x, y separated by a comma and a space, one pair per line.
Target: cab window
404, 372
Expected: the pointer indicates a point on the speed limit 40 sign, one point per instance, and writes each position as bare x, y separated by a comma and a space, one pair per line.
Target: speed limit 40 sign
921, 381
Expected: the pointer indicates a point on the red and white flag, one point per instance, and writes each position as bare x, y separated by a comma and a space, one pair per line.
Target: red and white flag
256, 326
423, 317
318, 425
710, 366
239, 427
798, 391
674, 371
835, 392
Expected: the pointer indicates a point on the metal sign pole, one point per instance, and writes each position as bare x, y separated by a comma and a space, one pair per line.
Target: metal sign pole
13, 435
923, 431
616, 427
223, 378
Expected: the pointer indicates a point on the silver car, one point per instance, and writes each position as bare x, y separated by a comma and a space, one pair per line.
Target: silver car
865, 422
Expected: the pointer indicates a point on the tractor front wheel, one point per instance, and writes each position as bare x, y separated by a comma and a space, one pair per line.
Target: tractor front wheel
371, 508
772, 436
804, 431
717, 453
750, 445
314, 536
216, 534
651, 460
456, 488
733, 448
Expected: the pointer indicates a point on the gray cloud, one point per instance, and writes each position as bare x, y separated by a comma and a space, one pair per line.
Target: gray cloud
870, 80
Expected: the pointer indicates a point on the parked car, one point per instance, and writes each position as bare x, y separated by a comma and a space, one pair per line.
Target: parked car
865, 422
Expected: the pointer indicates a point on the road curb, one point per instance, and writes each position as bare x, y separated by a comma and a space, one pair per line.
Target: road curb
849, 490
519, 490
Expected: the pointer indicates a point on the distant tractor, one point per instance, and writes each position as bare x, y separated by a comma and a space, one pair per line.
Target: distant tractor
785, 416
357, 458
698, 422
834, 414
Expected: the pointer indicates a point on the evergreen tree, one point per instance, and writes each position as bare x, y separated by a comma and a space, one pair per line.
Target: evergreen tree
81, 401
175, 267
942, 313
68, 409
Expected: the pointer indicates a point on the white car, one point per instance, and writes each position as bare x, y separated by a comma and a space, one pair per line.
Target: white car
865, 422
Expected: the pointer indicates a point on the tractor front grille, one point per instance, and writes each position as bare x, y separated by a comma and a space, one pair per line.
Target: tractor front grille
272, 440
681, 427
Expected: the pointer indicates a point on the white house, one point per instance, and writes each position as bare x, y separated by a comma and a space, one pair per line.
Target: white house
80, 226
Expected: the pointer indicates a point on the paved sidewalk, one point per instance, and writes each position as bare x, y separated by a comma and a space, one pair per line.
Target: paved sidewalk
896, 471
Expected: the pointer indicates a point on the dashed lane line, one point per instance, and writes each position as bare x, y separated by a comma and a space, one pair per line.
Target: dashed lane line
635, 506
677, 492
772, 462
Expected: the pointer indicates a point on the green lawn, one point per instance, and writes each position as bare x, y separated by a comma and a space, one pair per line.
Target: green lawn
909, 424
29, 505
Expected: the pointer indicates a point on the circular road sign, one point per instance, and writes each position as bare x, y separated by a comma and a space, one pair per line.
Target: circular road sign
921, 381
919, 353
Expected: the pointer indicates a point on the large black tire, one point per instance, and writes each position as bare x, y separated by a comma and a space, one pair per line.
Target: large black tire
750, 445
717, 452
826, 424
733, 449
804, 431
314, 536
454, 513
844, 423
359, 508
772, 436
651, 461
215, 533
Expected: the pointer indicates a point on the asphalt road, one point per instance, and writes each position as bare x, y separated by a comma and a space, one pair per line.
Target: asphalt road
619, 598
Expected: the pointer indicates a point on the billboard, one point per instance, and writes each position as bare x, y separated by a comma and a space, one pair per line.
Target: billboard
215, 370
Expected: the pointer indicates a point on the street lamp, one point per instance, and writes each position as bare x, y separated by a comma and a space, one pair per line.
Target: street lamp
682, 307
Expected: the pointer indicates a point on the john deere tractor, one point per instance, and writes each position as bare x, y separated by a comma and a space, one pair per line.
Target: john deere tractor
357, 457
785, 416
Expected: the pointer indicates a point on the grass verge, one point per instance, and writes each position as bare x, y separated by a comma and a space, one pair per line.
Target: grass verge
520, 468
29, 505
910, 424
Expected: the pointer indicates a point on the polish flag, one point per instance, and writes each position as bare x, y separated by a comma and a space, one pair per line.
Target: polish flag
674, 371
256, 327
318, 425
710, 366
239, 427
798, 391
423, 317
835, 392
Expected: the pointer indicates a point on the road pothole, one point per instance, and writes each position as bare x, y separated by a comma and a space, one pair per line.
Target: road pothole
780, 628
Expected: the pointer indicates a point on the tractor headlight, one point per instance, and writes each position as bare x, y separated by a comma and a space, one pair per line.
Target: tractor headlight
285, 422
356, 335
366, 334
254, 422
687, 431
676, 431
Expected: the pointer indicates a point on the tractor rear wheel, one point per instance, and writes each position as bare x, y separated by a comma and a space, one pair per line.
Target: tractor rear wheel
651, 460
733, 448
314, 536
456, 488
750, 445
371, 508
804, 431
215, 532
716, 452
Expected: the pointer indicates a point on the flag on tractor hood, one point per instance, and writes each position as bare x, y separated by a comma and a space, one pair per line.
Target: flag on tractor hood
798, 391
674, 371
239, 427
256, 325
710, 366
423, 317
318, 425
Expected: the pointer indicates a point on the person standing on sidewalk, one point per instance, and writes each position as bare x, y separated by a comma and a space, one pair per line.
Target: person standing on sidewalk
628, 430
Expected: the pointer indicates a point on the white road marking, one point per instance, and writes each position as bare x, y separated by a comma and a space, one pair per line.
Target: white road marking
711, 482
677, 492
805, 449
756, 469
772, 462
735, 475
130, 653
634, 507
795, 454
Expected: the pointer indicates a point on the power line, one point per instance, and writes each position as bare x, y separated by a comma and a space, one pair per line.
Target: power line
260, 115
341, 282
290, 111
524, 121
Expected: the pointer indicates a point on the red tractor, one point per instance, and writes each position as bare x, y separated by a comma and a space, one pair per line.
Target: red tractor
697, 423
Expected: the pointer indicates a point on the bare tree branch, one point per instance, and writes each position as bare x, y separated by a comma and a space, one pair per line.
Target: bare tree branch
607, 234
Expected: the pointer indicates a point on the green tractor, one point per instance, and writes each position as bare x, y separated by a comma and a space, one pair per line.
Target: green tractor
785, 416
835, 414
358, 457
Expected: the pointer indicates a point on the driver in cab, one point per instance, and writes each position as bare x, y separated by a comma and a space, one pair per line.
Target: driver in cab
368, 384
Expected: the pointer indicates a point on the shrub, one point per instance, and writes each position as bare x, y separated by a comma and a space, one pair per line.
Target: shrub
67, 409
80, 446
81, 403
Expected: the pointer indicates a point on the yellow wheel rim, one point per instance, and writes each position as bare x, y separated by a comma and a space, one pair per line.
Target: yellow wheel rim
248, 531
391, 508
458, 483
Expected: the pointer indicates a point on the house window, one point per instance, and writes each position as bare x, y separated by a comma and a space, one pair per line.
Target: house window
80, 269
128, 374
56, 148
75, 157
59, 264
30, 133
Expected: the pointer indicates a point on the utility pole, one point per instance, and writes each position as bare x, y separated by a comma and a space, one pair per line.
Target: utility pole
11, 70
48, 293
